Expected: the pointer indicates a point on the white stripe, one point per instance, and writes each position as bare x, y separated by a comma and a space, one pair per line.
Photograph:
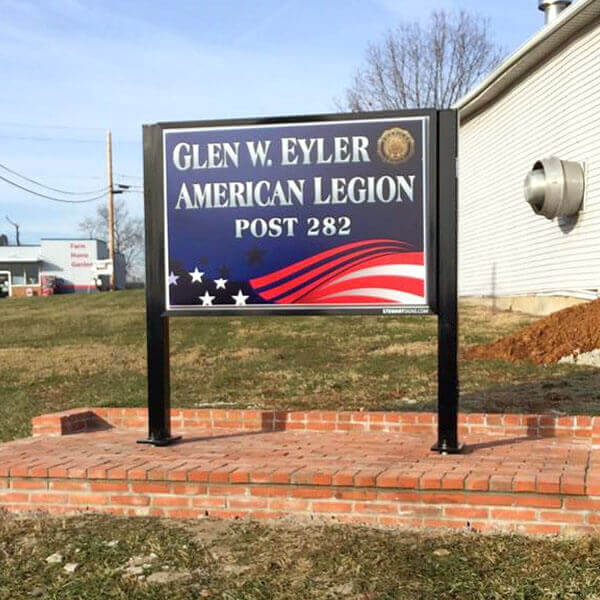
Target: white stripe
414, 271
392, 295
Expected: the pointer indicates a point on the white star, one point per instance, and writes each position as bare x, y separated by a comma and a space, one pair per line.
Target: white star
173, 278
196, 276
220, 283
207, 299
240, 299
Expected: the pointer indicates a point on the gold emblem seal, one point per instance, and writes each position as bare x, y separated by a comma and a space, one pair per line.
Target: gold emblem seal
396, 145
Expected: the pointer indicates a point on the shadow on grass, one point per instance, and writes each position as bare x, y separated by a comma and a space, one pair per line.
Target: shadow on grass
576, 393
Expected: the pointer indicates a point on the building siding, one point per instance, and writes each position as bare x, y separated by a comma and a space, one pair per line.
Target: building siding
504, 248
71, 261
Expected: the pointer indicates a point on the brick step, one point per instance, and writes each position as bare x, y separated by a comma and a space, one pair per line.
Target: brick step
514, 476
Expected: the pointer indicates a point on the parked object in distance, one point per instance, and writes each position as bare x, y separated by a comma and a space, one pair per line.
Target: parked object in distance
4, 288
50, 285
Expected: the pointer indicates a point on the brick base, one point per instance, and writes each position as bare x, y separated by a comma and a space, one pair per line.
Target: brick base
532, 474
20, 291
391, 507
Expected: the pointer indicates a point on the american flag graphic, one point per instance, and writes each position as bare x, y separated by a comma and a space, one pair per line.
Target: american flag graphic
366, 272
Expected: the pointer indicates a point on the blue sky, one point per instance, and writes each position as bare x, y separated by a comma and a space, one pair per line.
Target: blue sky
72, 69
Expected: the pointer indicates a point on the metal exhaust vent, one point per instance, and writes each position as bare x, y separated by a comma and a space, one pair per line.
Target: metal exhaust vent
553, 8
555, 188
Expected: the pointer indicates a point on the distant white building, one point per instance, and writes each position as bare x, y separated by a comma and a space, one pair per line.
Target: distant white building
71, 263
543, 101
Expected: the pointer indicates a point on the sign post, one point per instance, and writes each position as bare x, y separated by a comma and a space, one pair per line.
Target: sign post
447, 308
316, 215
157, 322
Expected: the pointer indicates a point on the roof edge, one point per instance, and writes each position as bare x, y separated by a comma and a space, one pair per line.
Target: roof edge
548, 36
73, 239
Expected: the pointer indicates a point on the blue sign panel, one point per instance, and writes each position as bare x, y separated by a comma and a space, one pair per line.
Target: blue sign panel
299, 216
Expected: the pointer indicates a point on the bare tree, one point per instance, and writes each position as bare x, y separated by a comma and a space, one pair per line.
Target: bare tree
418, 67
129, 233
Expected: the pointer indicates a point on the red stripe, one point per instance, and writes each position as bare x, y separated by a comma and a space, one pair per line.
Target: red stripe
353, 300
292, 283
408, 285
299, 294
400, 258
385, 258
260, 282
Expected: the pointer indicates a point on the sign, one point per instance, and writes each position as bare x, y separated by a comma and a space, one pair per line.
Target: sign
306, 216
103, 267
327, 214
80, 254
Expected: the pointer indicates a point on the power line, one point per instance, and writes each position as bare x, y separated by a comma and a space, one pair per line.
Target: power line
49, 139
60, 139
104, 189
70, 176
63, 200
34, 126
129, 176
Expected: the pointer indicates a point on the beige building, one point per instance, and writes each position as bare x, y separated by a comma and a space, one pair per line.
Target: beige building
62, 266
543, 101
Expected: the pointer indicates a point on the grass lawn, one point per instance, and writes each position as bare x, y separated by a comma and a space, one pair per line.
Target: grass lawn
70, 351
73, 351
120, 558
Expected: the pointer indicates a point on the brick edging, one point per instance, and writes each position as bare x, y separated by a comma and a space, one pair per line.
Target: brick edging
399, 508
189, 419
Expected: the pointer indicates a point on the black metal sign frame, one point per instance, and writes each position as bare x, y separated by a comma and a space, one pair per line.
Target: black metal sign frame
441, 244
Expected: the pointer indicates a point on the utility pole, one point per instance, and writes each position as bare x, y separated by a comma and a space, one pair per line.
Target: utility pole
16, 231
111, 211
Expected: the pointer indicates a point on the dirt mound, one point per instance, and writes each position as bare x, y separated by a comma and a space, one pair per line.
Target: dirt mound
574, 329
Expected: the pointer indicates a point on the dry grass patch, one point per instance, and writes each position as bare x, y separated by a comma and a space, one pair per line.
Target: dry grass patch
407, 349
474, 312
186, 357
76, 360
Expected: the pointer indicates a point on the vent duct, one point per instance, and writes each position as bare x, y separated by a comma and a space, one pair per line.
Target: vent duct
553, 8
555, 188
